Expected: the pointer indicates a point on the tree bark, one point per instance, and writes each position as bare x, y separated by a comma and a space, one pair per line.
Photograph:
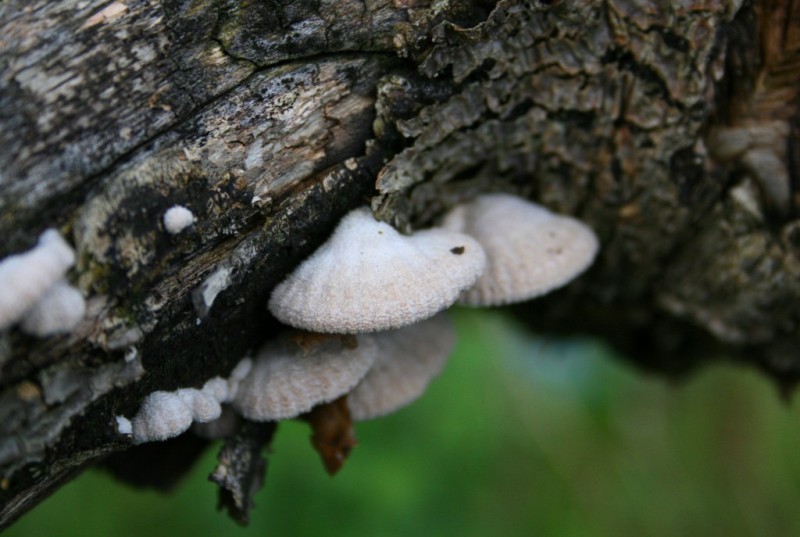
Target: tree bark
670, 128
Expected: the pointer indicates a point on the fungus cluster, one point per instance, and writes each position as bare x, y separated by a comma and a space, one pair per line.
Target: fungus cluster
34, 291
166, 415
369, 303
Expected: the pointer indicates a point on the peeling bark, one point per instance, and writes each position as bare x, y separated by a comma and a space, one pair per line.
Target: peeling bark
670, 129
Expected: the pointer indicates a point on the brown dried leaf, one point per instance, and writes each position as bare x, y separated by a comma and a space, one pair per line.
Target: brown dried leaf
333, 434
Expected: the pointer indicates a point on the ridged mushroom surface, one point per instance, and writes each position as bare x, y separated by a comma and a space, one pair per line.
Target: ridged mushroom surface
530, 250
288, 379
408, 359
368, 277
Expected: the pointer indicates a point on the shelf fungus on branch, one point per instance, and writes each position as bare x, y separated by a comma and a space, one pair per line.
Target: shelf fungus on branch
368, 277
408, 359
530, 250
287, 380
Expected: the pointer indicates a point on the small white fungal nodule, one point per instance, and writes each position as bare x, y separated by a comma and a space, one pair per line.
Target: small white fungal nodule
124, 425
58, 311
177, 218
25, 277
368, 277
162, 415
217, 388
238, 374
205, 407
530, 250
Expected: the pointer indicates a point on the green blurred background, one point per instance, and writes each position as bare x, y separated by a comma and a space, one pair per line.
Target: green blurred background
519, 436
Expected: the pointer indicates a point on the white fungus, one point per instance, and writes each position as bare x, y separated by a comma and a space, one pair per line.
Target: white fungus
204, 406
162, 415
217, 388
530, 250
238, 374
287, 380
58, 311
124, 425
25, 277
177, 218
408, 359
368, 277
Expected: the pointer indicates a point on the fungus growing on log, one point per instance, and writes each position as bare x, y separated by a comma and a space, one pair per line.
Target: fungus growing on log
26, 277
408, 359
287, 380
58, 311
205, 407
162, 415
530, 250
177, 218
368, 277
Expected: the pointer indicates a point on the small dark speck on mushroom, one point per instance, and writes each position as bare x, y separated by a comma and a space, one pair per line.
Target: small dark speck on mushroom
458, 250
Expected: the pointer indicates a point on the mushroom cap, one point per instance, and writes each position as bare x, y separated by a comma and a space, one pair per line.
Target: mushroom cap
287, 380
530, 250
57, 311
408, 359
25, 277
368, 277
162, 415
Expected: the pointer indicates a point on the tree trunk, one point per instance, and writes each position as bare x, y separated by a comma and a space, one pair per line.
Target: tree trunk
672, 131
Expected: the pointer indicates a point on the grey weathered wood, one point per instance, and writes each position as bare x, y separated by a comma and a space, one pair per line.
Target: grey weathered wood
668, 127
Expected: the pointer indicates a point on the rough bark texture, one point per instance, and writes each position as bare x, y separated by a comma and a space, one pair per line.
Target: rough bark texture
670, 128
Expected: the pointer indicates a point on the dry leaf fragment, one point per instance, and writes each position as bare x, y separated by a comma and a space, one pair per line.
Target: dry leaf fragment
333, 436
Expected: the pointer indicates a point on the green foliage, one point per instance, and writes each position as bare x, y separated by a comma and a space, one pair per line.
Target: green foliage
519, 436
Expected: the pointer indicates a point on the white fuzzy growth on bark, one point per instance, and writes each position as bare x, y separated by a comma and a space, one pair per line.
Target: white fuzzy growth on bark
163, 415
58, 311
25, 277
177, 218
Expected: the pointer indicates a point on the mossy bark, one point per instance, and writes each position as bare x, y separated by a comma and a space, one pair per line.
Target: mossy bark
670, 128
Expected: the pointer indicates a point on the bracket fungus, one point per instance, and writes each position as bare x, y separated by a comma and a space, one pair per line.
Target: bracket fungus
368, 277
408, 359
530, 250
287, 380
25, 277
